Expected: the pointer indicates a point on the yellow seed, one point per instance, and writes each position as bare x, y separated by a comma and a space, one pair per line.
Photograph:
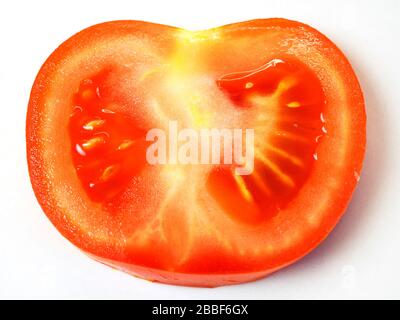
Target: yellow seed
243, 188
293, 104
92, 143
109, 172
125, 144
87, 94
249, 85
285, 85
93, 124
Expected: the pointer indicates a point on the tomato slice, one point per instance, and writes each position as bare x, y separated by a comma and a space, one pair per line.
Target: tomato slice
99, 94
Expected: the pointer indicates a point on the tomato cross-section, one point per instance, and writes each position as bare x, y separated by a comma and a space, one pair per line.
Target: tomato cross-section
196, 223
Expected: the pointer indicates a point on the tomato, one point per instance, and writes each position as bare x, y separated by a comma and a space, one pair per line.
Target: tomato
200, 224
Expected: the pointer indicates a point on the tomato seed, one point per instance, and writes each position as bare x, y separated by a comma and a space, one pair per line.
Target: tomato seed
125, 144
109, 172
92, 143
293, 104
249, 85
93, 124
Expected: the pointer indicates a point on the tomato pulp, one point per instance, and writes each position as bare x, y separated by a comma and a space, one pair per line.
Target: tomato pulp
100, 93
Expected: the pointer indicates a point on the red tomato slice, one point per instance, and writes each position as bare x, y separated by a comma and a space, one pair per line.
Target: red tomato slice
98, 95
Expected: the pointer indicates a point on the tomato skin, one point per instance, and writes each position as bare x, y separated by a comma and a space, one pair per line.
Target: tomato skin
210, 266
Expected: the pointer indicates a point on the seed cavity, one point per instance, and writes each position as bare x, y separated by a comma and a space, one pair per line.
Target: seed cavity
93, 124
93, 143
288, 101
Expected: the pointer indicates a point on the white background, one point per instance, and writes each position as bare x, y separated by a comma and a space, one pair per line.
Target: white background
360, 259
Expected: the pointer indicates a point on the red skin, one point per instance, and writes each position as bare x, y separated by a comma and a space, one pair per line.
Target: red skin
232, 247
